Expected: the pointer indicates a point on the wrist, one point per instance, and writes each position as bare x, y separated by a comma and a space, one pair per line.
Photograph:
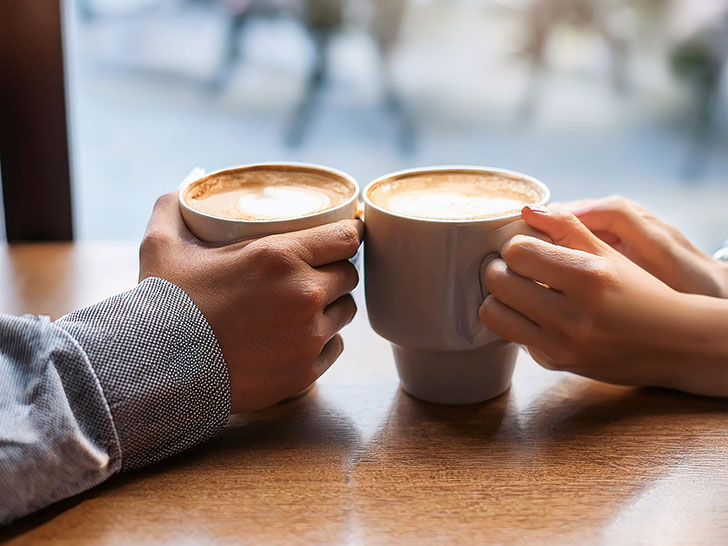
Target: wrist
697, 356
160, 367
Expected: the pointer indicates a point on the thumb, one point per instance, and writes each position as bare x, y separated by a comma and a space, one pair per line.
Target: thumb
563, 228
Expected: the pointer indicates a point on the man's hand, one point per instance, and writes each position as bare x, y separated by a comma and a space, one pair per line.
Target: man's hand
581, 306
276, 304
652, 244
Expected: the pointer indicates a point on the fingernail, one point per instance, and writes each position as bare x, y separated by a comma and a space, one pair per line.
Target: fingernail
537, 209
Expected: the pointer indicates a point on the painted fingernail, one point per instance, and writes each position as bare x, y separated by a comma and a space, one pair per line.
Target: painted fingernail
538, 210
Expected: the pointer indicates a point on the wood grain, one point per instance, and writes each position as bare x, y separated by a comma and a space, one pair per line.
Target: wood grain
557, 459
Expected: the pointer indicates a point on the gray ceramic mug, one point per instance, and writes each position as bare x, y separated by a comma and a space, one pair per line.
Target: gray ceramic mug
423, 291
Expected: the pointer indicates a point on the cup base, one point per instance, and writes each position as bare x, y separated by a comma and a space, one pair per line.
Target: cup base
457, 377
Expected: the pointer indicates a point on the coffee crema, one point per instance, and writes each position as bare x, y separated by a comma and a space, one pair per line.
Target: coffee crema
453, 195
266, 194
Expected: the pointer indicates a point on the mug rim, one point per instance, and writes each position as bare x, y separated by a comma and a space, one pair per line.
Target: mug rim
293, 165
475, 169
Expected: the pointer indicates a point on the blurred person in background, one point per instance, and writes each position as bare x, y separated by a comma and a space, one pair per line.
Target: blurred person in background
322, 20
700, 57
541, 18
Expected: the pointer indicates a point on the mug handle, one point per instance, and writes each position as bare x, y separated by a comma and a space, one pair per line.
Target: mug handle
501, 236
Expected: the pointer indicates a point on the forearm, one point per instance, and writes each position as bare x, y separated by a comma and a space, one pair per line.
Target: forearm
698, 357
160, 367
57, 436
123, 383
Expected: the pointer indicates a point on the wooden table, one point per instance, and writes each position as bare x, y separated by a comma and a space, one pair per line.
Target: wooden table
558, 459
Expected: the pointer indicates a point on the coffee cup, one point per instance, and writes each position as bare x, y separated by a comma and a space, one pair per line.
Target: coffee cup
429, 233
256, 200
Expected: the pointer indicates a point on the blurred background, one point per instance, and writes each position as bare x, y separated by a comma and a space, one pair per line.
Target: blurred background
594, 97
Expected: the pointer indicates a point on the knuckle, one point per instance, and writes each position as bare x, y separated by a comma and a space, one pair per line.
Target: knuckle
517, 247
350, 308
618, 202
338, 346
599, 277
351, 275
571, 220
314, 345
620, 206
307, 343
272, 255
312, 298
347, 236
354, 278
265, 247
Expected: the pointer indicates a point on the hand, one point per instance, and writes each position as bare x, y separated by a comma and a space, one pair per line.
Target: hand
581, 306
652, 244
276, 304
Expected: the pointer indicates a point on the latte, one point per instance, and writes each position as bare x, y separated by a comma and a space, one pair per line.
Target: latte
429, 233
454, 195
267, 194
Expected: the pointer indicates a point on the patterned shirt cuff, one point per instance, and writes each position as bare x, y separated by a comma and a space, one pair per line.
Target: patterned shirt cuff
160, 367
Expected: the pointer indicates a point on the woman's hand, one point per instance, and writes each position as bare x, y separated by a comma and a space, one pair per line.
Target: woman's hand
654, 245
581, 306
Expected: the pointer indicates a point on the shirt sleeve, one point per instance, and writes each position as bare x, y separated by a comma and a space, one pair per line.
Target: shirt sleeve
123, 383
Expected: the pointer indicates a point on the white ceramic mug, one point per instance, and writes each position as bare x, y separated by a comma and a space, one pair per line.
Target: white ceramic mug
423, 291
213, 229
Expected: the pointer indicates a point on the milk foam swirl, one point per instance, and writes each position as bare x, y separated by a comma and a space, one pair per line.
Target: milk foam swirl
454, 196
447, 204
267, 195
282, 202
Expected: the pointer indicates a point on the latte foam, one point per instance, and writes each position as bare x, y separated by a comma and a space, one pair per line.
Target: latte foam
454, 195
265, 195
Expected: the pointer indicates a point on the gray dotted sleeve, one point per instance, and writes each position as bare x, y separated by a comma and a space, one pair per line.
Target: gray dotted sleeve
118, 385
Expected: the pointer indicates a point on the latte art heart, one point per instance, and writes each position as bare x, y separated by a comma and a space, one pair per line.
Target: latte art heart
447, 204
267, 195
282, 201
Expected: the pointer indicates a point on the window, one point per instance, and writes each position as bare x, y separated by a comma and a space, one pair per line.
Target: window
625, 99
